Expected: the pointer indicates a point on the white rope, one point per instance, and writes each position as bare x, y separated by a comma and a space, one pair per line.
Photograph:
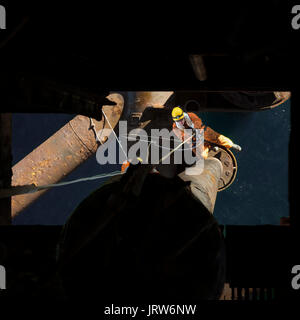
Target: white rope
155, 143
115, 135
98, 176
172, 151
16, 190
142, 135
95, 132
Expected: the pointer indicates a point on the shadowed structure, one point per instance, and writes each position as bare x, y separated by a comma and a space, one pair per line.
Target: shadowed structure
162, 244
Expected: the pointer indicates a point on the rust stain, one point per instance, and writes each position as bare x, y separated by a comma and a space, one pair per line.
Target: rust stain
79, 139
59, 155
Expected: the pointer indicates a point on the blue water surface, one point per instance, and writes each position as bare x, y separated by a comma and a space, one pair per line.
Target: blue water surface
259, 195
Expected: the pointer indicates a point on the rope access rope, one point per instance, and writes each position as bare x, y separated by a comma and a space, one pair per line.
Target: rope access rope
25, 189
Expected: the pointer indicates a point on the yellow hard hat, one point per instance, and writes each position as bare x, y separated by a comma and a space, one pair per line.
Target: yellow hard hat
177, 114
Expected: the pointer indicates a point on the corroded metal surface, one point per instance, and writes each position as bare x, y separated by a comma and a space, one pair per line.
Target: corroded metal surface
229, 163
59, 155
281, 97
5, 166
204, 186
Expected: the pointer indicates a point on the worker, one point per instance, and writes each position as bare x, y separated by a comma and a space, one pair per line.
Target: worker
183, 120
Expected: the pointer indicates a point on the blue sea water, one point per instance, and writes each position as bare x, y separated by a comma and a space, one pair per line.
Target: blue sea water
259, 195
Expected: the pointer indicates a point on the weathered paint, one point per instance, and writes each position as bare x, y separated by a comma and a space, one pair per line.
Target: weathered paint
5, 166
204, 187
59, 155
229, 163
74, 143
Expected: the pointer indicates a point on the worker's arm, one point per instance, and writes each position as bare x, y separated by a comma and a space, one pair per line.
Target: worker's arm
209, 134
217, 138
224, 141
212, 136
196, 120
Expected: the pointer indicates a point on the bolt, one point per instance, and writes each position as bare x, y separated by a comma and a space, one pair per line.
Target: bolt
227, 173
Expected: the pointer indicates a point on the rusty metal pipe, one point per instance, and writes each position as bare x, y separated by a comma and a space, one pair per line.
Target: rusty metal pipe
74, 143
5, 166
204, 187
59, 155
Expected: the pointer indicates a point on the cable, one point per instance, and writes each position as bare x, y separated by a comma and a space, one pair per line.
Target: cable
154, 142
115, 135
17, 190
172, 151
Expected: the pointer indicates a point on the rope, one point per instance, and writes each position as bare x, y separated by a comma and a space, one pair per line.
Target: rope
17, 190
92, 126
142, 135
98, 176
115, 135
154, 142
172, 151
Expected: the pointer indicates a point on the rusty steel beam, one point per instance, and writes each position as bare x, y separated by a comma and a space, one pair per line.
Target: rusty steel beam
5, 166
73, 144
59, 155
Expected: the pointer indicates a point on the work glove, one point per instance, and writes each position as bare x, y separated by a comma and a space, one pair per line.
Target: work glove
226, 142
236, 147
